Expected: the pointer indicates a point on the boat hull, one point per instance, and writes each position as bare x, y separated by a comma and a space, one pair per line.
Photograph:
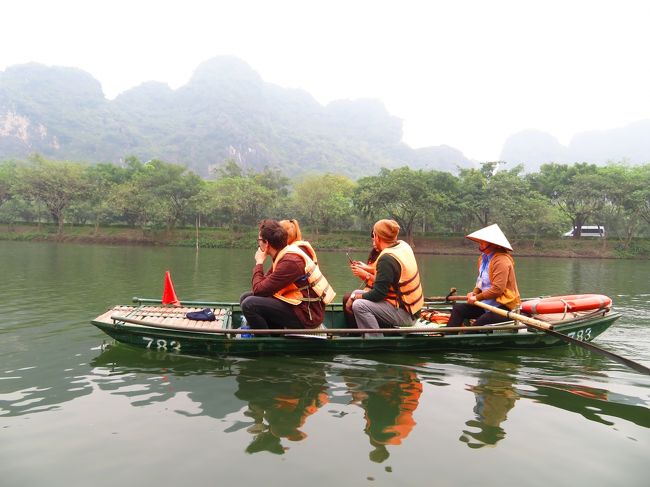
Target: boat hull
163, 337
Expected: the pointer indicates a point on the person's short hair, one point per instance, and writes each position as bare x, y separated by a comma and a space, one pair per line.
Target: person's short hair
273, 233
293, 230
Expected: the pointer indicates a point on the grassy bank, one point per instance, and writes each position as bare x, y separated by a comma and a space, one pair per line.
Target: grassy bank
357, 241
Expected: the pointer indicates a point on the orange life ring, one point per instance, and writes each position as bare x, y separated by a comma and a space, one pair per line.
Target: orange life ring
563, 304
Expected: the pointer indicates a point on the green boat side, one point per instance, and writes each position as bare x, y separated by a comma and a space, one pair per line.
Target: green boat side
225, 339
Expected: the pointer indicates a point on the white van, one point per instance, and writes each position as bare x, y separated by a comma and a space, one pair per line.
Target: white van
587, 231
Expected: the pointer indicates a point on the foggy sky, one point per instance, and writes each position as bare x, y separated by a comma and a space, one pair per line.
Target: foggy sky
466, 73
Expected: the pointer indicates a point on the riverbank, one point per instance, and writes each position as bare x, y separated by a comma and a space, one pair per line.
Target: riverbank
349, 241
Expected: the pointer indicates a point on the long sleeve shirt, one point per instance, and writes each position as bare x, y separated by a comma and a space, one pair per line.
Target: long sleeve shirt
503, 283
388, 273
288, 270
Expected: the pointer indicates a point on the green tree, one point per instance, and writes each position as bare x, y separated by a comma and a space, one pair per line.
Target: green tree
229, 169
477, 196
104, 179
236, 200
7, 180
401, 194
578, 190
519, 209
324, 201
13, 206
641, 194
171, 187
55, 184
627, 192
272, 179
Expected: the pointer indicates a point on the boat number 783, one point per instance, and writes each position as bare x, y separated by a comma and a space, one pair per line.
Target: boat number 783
582, 335
162, 344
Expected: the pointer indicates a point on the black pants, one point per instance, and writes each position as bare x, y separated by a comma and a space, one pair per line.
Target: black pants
350, 321
462, 311
263, 313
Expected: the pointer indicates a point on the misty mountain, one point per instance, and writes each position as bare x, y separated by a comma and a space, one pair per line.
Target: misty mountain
225, 111
534, 148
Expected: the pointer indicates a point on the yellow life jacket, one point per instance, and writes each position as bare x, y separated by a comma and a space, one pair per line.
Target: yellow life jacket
306, 246
314, 280
409, 293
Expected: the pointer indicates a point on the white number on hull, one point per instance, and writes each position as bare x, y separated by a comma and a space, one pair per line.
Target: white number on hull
582, 335
162, 344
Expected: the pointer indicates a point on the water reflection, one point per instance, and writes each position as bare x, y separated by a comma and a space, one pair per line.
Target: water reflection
593, 403
271, 400
279, 394
389, 396
152, 377
495, 396
280, 398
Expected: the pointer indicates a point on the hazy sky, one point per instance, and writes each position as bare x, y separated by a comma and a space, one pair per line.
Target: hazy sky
463, 73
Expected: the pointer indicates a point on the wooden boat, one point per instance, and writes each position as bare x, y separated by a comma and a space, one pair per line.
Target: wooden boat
149, 324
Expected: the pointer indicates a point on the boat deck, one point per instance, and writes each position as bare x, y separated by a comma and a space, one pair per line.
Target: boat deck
169, 317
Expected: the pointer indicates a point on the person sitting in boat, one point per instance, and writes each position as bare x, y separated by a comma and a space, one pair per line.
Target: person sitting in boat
294, 237
396, 295
496, 283
293, 293
366, 272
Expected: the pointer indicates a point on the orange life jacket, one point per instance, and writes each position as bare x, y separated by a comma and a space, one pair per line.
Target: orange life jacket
314, 281
409, 293
405, 395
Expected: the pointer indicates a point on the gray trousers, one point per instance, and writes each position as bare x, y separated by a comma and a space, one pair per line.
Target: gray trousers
381, 314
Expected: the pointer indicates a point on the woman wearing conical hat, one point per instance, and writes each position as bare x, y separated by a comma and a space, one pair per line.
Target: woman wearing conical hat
496, 283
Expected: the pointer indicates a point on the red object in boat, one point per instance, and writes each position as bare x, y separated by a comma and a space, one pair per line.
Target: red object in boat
564, 304
169, 295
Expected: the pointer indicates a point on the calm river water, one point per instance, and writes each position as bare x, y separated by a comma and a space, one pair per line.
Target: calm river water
72, 413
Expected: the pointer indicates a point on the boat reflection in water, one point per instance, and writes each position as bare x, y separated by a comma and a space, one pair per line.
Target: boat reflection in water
495, 397
273, 398
279, 401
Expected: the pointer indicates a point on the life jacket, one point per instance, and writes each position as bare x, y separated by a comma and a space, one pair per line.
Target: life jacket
409, 293
313, 280
307, 248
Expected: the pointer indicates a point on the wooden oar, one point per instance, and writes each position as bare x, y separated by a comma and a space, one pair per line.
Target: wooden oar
546, 328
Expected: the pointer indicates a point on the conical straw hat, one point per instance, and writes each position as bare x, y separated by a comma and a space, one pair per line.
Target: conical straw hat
491, 234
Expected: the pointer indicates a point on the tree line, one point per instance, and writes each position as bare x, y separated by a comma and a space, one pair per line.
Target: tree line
156, 194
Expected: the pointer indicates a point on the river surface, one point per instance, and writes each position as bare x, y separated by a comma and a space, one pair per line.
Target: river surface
74, 412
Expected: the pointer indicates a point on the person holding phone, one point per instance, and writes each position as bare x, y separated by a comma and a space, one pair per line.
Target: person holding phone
396, 296
364, 271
